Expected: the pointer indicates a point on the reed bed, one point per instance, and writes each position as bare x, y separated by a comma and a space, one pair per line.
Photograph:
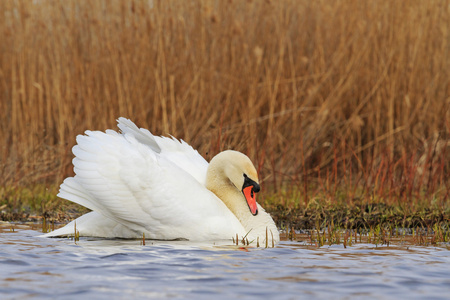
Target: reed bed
336, 102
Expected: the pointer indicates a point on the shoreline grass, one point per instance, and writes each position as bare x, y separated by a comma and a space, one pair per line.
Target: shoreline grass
41, 204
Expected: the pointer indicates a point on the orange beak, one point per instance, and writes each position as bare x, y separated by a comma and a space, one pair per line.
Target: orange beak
251, 199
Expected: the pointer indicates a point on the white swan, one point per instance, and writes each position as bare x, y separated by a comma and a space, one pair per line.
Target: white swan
136, 183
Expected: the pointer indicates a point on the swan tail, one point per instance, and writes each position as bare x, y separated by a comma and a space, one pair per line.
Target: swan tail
96, 225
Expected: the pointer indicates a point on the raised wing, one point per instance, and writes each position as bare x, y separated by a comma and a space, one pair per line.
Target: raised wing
124, 179
178, 152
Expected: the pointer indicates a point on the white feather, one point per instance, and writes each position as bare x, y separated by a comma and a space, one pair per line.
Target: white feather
137, 183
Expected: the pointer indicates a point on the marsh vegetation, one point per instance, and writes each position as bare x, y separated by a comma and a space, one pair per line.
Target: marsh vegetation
344, 107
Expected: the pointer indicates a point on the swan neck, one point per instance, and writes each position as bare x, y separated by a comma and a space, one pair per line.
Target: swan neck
222, 186
218, 183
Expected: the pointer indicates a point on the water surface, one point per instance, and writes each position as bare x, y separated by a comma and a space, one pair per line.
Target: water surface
33, 267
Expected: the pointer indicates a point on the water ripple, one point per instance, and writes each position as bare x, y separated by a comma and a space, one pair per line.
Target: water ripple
122, 269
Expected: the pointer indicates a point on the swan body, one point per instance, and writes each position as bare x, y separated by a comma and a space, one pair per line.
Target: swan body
136, 183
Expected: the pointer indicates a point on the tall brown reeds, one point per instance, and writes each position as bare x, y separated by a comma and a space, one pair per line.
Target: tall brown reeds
312, 91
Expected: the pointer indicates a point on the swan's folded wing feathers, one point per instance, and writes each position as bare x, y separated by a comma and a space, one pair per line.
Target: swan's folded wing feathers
70, 189
98, 175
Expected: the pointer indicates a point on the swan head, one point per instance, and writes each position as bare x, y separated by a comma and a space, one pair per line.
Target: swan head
236, 169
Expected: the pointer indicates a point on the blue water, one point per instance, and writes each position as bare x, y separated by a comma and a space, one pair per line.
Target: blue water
37, 268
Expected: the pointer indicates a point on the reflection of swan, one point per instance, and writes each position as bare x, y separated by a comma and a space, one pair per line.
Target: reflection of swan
137, 183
